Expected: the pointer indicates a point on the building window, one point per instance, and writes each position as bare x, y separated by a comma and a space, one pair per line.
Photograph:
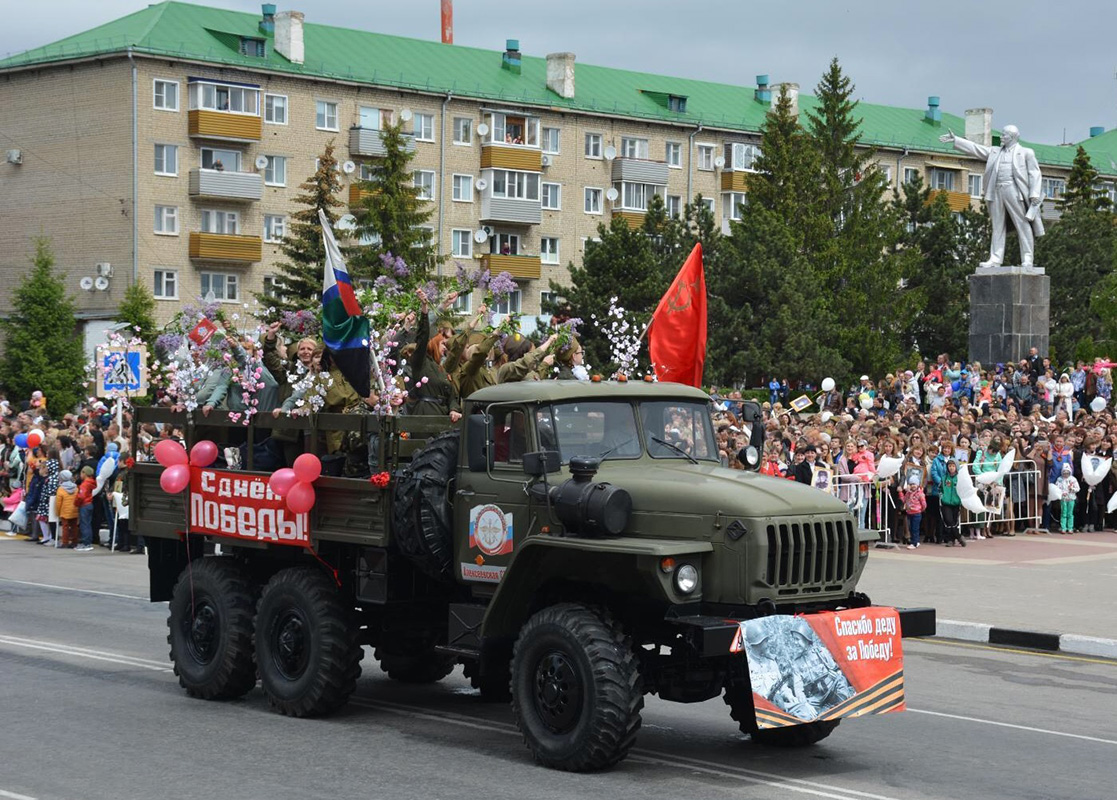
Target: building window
225, 97
225, 286
424, 127
676, 103
674, 155
593, 201
1053, 188
461, 242
424, 182
707, 203
325, 118
551, 140
463, 188
166, 220
910, 174
368, 172
510, 304
220, 222
634, 196
887, 173
166, 95
552, 196
252, 47
706, 157
975, 185
516, 185
593, 145
164, 284
733, 202
463, 130
513, 129
166, 159
674, 205
275, 173
548, 300
634, 148
464, 303
218, 159
275, 227
275, 109
273, 287
942, 179
744, 156
549, 249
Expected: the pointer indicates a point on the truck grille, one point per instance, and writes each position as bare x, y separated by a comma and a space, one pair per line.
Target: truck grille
807, 557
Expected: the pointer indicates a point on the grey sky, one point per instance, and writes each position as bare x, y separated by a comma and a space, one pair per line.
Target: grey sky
1044, 66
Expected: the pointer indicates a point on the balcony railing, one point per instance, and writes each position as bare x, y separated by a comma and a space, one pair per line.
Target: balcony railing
496, 155
226, 184
226, 247
958, 201
735, 180
525, 267
634, 218
225, 125
502, 209
370, 142
640, 170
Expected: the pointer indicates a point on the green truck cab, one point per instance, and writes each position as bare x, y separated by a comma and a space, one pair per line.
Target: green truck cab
574, 545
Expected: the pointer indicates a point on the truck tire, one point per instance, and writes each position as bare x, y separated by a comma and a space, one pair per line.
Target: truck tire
739, 700
423, 507
210, 629
426, 668
306, 647
576, 691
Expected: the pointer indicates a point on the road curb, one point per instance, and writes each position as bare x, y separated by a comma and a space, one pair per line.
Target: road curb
1035, 640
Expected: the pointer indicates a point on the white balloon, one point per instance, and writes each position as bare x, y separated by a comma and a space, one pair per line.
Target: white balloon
825, 416
888, 466
827, 384
1095, 475
967, 493
1051, 385
1097, 404
1112, 506
1054, 495
866, 402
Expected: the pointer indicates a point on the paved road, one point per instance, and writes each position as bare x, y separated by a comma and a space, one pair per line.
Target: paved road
89, 709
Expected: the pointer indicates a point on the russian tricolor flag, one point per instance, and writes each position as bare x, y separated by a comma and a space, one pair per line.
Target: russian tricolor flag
345, 328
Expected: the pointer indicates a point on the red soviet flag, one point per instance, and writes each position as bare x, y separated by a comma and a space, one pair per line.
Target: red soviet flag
677, 336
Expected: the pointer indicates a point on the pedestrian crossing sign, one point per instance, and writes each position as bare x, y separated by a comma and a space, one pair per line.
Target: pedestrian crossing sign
122, 370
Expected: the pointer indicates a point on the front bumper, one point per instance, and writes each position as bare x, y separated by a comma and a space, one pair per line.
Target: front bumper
710, 636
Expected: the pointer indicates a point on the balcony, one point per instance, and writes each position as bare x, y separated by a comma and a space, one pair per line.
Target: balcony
640, 170
525, 267
495, 155
634, 218
358, 192
502, 209
226, 247
370, 142
214, 184
225, 125
958, 201
735, 180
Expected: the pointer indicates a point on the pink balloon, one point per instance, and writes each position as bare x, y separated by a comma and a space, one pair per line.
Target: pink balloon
175, 478
281, 481
308, 468
301, 498
170, 453
203, 453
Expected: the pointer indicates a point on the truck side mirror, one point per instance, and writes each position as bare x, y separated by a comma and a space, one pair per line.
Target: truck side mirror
752, 413
479, 437
542, 463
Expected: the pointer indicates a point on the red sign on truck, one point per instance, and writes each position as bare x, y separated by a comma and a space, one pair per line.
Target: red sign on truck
241, 506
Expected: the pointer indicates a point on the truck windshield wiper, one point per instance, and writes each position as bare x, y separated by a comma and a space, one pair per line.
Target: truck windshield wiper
615, 447
676, 448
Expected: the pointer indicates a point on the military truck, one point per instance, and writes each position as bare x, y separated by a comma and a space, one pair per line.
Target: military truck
575, 545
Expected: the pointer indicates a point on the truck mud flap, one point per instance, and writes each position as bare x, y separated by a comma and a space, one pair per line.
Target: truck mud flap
916, 622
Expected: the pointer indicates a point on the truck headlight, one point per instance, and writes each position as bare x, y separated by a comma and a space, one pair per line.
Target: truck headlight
686, 578
752, 456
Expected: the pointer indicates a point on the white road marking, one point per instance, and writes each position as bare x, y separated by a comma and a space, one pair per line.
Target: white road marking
72, 589
83, 652
15, 796
1010, 725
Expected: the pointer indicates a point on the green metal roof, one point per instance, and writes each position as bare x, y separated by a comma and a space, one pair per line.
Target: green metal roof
203, 33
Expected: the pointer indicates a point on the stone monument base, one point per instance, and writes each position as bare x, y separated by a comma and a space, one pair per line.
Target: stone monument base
1010, 311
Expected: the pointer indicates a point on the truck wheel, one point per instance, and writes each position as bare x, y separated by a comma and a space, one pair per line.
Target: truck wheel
306, 647
423, 508
425, 668
576, 691
495, 685
210, 629
739, 700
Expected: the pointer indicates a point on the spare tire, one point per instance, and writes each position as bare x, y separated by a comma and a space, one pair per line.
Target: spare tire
423, 509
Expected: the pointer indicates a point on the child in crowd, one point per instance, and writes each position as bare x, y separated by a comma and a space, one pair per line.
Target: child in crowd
67, 509
950, 507
915, 503
1068, 491
85, 508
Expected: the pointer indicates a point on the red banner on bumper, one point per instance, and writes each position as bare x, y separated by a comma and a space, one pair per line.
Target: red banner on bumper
823, 666
241, 506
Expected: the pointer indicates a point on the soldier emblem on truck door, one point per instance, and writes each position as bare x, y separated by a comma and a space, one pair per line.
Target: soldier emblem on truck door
490, 530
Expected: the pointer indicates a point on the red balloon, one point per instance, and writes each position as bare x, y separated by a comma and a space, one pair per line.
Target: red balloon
281, 481
34, 438
170, 453
203, 454
301, 498
308, 468
175, 478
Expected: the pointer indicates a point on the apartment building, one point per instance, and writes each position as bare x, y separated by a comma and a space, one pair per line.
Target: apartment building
167, 147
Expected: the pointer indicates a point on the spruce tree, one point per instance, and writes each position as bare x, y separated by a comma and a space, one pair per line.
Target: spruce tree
1082, 190
391, 215
137, 313
42, 344
301, 274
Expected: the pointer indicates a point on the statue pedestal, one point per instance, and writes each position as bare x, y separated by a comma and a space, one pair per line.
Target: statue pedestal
1010, 311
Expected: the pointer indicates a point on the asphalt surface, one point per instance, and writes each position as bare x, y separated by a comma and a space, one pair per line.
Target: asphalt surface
89, 709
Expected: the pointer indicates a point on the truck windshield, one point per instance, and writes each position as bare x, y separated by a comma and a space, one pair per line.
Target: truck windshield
596, 429
674, 429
